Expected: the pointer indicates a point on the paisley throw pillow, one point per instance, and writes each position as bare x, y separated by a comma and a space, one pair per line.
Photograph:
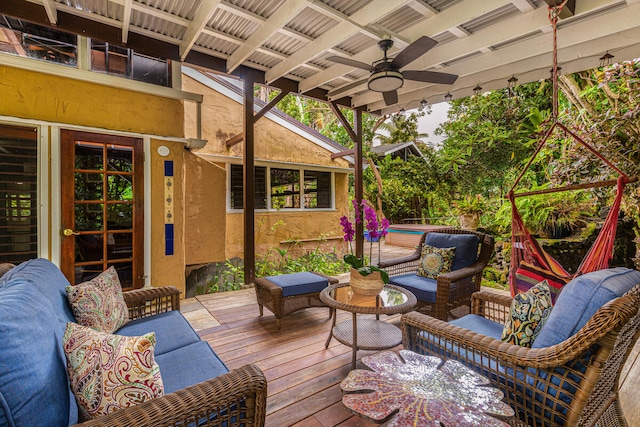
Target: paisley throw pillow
110, 372
435, 261
98, 303
529, 312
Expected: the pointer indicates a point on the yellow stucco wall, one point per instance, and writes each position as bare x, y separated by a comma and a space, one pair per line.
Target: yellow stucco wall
222, 119
38, 96
167, 269
205, 211
313, 228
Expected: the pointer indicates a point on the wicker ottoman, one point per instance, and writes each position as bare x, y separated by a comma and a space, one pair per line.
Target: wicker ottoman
287, 293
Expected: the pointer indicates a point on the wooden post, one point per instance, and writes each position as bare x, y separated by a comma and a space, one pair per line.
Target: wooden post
355, 133
357, 175
249, 184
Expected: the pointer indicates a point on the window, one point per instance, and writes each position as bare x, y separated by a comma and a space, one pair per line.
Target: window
286, 189
18, 194
237, 187
34, 41
120, 61
317, 189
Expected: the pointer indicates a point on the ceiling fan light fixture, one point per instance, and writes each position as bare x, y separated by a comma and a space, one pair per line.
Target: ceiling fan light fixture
385, 81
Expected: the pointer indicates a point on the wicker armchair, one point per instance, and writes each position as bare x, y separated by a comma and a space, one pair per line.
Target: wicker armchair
236, 398
454, 289
585, 368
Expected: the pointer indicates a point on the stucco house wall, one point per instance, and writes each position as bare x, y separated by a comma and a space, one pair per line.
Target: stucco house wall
275, 144
53, 102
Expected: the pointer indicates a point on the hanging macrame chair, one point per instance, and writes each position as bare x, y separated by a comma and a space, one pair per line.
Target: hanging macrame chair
530, 263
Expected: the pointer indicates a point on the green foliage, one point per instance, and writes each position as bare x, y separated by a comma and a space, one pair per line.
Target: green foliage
228, 277
469, 205
549, 215
279, 261
488, 136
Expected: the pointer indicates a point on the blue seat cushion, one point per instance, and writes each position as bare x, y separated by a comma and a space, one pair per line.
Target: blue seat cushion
580, 299
299, 283
480, 325
466, 247
171, 328
422, 287
189, 365
34, 389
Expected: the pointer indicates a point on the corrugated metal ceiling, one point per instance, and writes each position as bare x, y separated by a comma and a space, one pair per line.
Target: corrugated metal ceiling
297, 37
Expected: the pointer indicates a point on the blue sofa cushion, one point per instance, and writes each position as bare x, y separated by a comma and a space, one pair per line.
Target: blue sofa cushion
580, 299
466, 247
299, 283
171, 328
189, 365
34, 389
423, 288
47, 278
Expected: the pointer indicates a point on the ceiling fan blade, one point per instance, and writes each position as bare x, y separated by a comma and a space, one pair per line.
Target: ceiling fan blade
430, 77
349, 62
414, 51
391, 97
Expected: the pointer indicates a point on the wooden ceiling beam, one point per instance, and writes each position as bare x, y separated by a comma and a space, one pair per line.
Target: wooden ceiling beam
200, 20
278, 20
126, 20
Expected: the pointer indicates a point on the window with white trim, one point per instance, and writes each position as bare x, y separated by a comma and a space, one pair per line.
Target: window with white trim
285, 188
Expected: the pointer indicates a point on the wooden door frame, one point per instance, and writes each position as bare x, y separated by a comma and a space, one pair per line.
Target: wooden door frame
68, 138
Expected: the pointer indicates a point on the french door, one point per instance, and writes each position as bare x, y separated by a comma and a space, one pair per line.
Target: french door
102, 192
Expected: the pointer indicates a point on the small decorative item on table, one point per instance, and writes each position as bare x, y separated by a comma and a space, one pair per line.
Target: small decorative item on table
365, 279
423, 391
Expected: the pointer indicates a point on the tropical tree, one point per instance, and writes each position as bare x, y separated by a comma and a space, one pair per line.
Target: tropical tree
488, 136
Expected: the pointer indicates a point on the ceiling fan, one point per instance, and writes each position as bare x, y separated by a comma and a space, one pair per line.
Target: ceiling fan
386, 76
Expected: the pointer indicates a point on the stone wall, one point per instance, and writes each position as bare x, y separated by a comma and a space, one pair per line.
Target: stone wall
570, 252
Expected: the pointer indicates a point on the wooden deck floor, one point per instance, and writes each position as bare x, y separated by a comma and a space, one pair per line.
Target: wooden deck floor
304, 377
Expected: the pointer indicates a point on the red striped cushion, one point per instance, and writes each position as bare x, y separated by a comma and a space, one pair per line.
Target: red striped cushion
529, 275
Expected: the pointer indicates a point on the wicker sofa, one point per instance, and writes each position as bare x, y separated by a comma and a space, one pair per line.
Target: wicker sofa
450, 294
570, 375
34, 388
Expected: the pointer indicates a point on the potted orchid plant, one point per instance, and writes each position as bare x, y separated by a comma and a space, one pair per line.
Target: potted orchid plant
375, 229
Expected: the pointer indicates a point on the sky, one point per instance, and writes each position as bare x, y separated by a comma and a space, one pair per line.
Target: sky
430, 122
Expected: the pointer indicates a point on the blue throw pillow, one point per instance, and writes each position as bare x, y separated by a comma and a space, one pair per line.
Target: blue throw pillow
466, 247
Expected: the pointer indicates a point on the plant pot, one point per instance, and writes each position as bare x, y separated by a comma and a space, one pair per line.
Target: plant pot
469, 221
369, 285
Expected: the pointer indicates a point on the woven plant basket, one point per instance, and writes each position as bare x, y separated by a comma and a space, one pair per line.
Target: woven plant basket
469, 221
369, 285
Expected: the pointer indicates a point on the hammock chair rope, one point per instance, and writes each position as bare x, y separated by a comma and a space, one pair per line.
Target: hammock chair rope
524, 247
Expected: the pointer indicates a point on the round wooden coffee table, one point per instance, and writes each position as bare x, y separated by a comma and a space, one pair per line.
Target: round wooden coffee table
366, 334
